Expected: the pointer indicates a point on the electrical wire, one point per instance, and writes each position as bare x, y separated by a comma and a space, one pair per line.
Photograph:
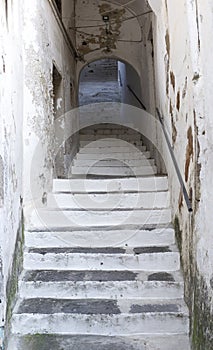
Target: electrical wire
112, 22
115, 3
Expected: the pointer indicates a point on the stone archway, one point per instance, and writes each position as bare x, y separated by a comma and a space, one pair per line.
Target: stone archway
109, 80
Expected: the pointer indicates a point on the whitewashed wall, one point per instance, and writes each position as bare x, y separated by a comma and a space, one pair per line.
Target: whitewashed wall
44, 44
11, 150
183, 81
31, 40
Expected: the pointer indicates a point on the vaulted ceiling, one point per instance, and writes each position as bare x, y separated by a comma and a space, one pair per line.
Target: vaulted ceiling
119, 34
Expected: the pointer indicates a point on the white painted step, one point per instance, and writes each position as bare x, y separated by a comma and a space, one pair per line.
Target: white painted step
108, 131
119, 156
110, 162
169, 261
109, 126
103, 143
125, 137
102, 290
146, 184
115, 171
113, 149
122, 324
110, 238
145, 200
94, 342
43, 220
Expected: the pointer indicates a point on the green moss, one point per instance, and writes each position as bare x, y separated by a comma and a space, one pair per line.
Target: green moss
202, 325
178, 233
12, 284
42, 342
36, 341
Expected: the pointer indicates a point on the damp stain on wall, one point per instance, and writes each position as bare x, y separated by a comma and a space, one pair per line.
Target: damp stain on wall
178, 101
172, 79
189, 152
106, 35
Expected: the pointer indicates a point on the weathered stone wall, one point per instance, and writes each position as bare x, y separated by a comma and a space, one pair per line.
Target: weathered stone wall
11, 149
45, 44
31, 42
183, 83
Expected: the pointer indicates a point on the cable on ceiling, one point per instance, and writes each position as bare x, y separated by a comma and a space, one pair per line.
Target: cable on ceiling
104, 25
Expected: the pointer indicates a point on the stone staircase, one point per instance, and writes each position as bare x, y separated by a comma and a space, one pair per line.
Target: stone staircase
101, 267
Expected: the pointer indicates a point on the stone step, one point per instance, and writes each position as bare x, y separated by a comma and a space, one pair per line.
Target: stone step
61, 260
144, 200
127, 148
101, 290
103, 143
118, 156
146, 170
125, 137
99, 306
100, 317
110, 162
44, 219
103, 238
109, 126
108, 131
95, 342
99, 276
146, 184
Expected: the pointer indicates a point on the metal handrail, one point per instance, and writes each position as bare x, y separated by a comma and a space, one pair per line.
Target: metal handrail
137, 98
182, 184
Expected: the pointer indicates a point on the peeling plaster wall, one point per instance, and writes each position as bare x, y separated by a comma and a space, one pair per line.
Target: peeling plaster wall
31, 41
183, 80
44, 44
11, 161
123, 40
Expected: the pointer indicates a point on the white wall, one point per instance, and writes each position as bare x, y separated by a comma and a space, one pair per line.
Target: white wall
11, 122
183, 80
44, 45
31, 40
129, 77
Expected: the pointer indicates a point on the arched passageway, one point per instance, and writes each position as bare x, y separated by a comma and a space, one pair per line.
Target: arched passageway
109, 80
99, 82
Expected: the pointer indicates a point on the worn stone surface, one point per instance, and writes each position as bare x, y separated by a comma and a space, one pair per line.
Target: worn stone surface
161, 276
154, 308
52, 306
107, 250
147, 250
46, 342
48, 276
